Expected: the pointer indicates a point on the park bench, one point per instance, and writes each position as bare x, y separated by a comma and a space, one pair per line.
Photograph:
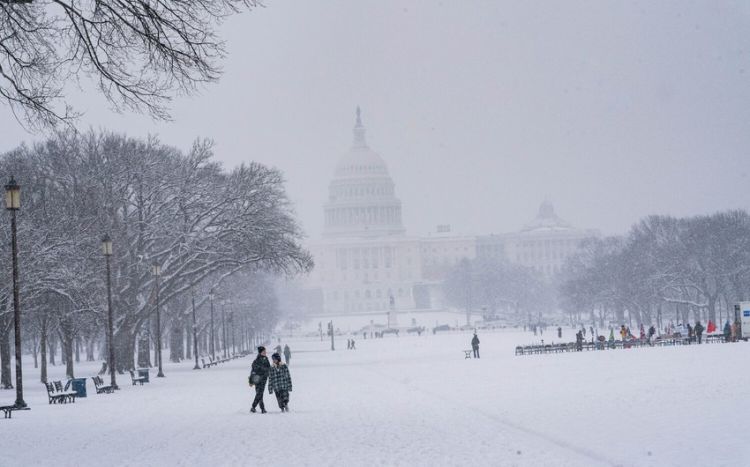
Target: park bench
9, 409
137, 379
467, 354
102, 388
69, 395
52, 395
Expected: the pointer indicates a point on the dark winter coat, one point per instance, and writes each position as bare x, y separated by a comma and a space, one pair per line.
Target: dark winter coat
699, 329
261, 367
279, 379
475, 342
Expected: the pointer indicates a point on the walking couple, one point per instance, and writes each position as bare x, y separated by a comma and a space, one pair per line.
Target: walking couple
277, 376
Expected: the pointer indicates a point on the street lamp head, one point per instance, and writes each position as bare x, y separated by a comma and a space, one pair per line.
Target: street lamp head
106, 245
12, 195
156, 269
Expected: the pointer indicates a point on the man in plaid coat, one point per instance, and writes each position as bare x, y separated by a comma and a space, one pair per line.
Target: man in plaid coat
280, 381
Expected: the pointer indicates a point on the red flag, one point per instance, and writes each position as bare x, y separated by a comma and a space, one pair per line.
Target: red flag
711, 327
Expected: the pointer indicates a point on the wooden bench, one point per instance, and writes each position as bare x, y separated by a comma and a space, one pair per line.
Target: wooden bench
55, 393
467, 354
102, 388
137, 379
9, 409
70, 396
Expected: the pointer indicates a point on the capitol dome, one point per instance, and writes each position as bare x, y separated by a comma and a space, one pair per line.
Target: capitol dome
361, 196
546, 219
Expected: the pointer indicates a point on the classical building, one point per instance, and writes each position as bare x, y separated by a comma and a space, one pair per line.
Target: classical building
543, 244
365, 263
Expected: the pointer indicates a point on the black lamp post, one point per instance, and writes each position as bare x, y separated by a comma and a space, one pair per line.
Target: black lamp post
156, 271
107, 252
211, 345
13, 204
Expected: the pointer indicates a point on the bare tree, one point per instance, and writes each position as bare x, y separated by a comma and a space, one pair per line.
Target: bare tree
138, 53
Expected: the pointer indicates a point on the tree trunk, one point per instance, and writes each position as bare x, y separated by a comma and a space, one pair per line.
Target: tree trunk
188, 341
66, 351
712, 308
144, 351
43, 351
6, 380
78, 349
176, 341
52, 349
35, 351
90, 350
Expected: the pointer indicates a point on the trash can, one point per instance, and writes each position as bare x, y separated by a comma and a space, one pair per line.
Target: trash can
143, 373
78, 385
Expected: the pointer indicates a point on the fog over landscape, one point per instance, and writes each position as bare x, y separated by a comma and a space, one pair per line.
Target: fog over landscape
374, 232
614, 110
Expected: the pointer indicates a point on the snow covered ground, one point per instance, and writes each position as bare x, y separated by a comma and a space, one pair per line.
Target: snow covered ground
410, 401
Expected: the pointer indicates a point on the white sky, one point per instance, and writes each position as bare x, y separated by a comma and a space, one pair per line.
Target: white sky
615, 110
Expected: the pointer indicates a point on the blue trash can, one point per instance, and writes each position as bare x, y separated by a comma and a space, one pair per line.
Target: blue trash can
143, 373
78, 385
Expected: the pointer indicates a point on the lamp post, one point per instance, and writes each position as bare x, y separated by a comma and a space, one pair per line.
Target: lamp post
195, 332
211, 345
13, 204
107, 252
156, 271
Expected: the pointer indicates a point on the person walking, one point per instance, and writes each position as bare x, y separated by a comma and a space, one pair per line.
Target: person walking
258, 378
354, 345
559, 332
727, 332
699, 331
287, 354
280, 382
691, 332
475, 345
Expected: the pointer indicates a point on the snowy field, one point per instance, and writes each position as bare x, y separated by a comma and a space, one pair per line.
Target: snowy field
409, 401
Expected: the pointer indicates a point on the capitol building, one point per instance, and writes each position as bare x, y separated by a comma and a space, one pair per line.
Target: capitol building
367, 264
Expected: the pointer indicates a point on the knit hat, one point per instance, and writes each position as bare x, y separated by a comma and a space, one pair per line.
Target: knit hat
261, 349
276, 357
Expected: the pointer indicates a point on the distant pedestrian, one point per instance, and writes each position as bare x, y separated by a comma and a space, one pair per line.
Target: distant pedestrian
727, 332
258, 378
287, 354
348, 344
691, 333
579, 341
354, 345
623, 333
277, 349
559, 332
475, 345
699, 331
280, 381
